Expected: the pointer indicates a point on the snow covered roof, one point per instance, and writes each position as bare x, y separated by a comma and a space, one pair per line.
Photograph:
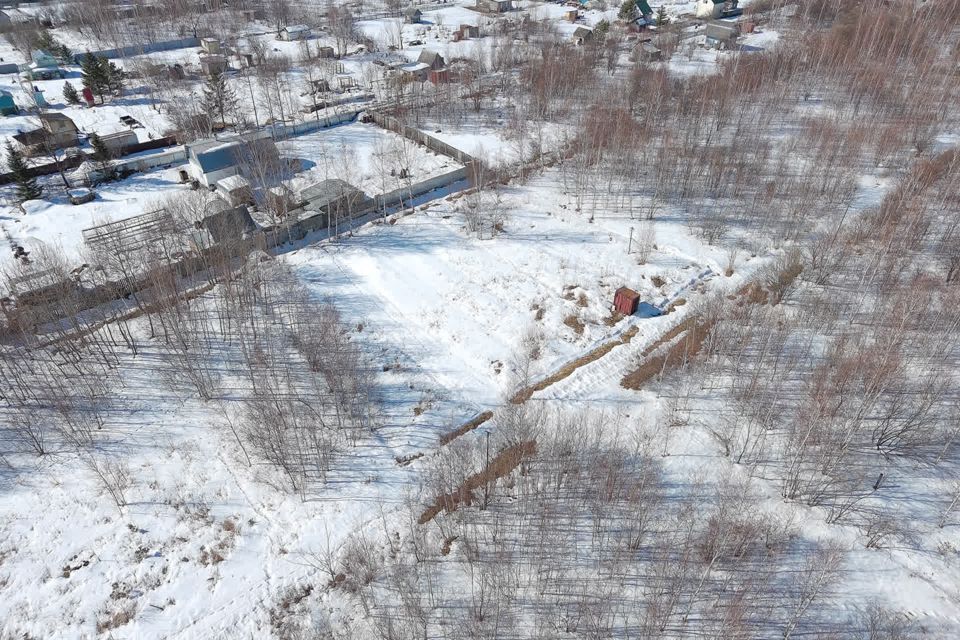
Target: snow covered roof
414, 66
214, 154
229, 224
296, 28
232, 183
324, 192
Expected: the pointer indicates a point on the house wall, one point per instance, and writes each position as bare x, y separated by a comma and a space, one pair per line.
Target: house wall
208, 179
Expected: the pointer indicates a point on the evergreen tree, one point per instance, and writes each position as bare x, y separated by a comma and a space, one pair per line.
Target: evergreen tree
102, 156
113, 74
628, 10
218, 98
63, 53
601, 29
662, 18
27, 187
93, 74
70, 93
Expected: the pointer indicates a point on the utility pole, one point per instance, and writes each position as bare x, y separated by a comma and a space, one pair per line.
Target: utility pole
630, 241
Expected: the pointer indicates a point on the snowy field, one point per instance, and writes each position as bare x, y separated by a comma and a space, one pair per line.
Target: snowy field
363, 155
444, 310
206, 547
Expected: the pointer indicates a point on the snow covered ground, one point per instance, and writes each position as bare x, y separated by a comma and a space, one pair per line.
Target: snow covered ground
363, 155
206, 546
355, 152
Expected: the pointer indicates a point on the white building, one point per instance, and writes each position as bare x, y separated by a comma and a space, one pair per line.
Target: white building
713, 9
295, 32
214, 159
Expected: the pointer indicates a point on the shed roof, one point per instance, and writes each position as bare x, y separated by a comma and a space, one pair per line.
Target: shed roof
232, 183
324, 192
57, 117
296, 28
229, 224
214, 154
720, 30
123, 134
430, 57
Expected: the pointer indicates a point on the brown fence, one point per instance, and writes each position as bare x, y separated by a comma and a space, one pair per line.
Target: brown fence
73, 162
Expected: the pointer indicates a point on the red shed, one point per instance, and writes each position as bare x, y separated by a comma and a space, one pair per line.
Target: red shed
626, 300
441, 76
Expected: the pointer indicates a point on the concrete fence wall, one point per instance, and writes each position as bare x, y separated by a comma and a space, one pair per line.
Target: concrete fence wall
140, 49
421, 137
406, 194
282, 131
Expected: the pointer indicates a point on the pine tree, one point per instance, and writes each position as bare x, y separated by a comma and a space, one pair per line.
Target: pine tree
218, 98
628, 10
70, 93
102, 156
63, 53
27, 187
662, 18
93, 74
114, 75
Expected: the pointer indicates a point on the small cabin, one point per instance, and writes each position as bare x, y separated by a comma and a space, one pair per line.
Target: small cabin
213, 65
466, 31
119, 141
494, 6
626, 301
433, 60
412, 15
295, 32
210, 45
722, 35
7, 105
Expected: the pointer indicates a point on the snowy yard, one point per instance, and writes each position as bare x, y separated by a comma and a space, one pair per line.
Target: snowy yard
364, 155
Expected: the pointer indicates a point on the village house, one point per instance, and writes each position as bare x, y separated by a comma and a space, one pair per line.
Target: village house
581, 35
331, 199
56, 131
713, 9
295, 32
8, 106
42, 66
229, 225
412, 15
646, 52
465, 32
214, 159
210, 45
494, 6
432, 59
118, 142
722, 35
213, 64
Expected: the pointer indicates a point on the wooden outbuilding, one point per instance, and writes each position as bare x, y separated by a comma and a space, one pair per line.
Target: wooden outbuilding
626, 301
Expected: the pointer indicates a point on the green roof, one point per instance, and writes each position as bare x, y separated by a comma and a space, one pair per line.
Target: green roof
644, 7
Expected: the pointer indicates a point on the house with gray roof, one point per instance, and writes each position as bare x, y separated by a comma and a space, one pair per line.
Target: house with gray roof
214, 159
